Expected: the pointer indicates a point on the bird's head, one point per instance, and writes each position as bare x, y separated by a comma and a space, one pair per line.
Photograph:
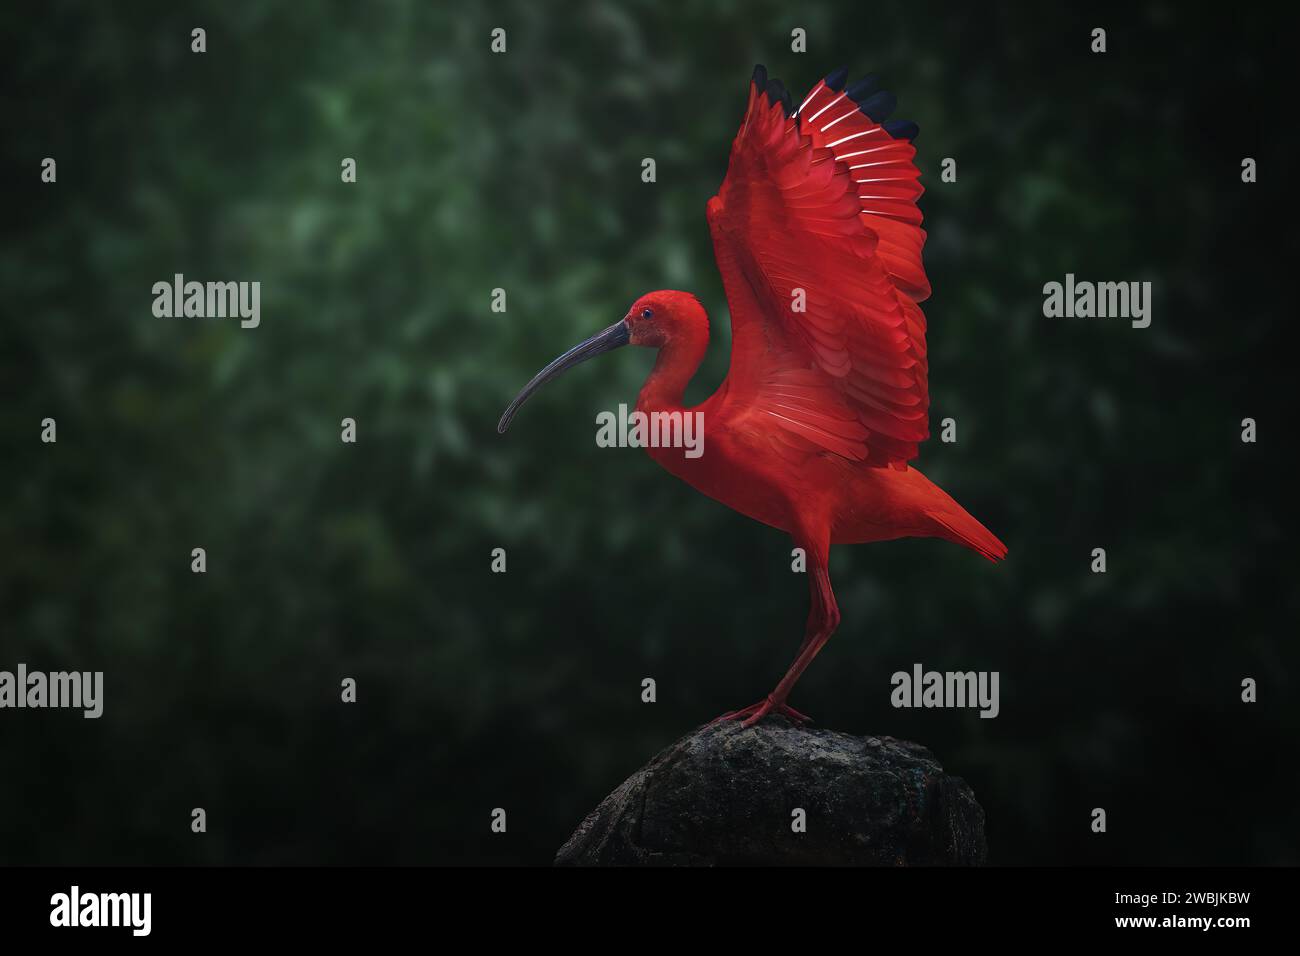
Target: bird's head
665, 317
657, 320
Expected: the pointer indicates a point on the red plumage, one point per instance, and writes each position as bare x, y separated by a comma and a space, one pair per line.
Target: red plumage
825, 201
818, 239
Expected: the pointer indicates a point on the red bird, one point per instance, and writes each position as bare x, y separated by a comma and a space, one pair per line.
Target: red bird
818, 238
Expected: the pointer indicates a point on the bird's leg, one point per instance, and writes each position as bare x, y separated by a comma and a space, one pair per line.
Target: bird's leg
823, 619
826, 615
747, 714
810, 634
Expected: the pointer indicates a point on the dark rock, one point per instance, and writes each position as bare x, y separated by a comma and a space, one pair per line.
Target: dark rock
724, 795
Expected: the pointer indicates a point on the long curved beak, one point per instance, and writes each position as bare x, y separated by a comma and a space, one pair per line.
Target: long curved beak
615, 336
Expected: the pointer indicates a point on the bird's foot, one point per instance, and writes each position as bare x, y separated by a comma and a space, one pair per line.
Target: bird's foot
749, 716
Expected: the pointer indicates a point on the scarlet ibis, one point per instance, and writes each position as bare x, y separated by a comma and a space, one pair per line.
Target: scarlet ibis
818, 237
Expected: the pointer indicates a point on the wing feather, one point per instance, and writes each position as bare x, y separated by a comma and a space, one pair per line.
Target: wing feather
818, 238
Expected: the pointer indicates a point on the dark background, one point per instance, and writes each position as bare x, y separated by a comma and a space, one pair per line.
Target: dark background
522, 171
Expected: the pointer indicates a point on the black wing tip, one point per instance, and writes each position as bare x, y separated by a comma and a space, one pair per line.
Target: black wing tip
773, 88
878, 106
875, 104
862, 88
783, 95
777, 93
902, 129
836, 79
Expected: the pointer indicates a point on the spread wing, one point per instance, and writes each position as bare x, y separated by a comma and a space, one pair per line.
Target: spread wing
818, 238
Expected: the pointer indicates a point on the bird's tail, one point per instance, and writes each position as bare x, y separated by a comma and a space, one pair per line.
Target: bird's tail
963, 529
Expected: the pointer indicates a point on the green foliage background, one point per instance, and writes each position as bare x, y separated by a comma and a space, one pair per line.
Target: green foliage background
521, 171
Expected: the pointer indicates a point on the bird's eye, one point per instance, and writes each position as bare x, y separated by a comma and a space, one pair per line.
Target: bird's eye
646, 313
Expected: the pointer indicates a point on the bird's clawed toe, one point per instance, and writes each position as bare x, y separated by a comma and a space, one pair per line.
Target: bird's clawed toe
749, 716
769, 707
